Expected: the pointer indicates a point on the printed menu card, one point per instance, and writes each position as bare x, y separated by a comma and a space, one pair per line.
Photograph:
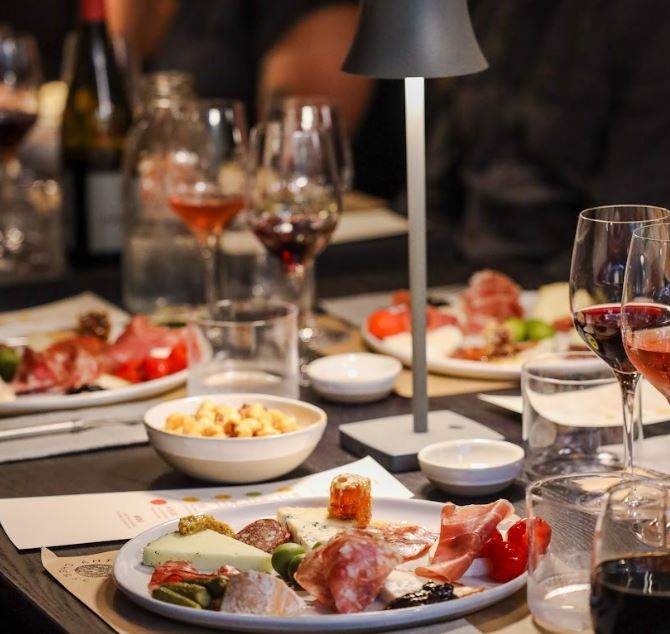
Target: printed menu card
64, 520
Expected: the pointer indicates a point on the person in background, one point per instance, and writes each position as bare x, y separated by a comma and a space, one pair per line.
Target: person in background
571, 113
258, 50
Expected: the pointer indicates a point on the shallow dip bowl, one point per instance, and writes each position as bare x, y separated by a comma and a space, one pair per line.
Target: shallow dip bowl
236, 460
471, 467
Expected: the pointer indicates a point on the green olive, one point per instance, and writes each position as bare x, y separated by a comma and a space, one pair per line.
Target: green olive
318, 545
283, 554
538, 329
293, 566
517, 328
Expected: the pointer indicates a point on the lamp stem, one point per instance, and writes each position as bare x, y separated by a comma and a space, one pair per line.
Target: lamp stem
416, 203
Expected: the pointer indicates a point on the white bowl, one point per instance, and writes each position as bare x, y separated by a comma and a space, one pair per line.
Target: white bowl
357, 377
236, 460
471, 467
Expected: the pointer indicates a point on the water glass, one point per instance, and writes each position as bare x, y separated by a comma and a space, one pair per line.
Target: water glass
559, 579
246, 345
571, 410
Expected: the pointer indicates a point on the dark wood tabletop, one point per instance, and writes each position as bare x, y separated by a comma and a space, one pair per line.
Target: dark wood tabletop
30, 600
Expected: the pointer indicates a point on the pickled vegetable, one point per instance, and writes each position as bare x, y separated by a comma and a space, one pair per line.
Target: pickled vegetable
539, 330
191, 591
9, 361
282, 556
351, 499
517, 328
170, 596
293, 566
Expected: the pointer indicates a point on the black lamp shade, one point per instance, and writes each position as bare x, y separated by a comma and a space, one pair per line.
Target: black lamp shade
414, 38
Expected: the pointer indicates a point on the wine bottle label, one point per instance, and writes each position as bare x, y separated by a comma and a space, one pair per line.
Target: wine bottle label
104, 205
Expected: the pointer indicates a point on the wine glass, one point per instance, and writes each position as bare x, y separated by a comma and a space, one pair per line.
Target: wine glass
20, 78
599, 259
630, 577
206, 178
295, 203
317, 113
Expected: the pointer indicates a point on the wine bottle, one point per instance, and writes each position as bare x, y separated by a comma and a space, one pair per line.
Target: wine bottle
95, 121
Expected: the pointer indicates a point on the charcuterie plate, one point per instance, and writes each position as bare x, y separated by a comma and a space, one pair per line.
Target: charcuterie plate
132, 578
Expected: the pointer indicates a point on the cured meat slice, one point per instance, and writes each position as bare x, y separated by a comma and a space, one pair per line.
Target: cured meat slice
347, 573
33, 374
177, 571
490, 296
141, 337
408, 540
464, 530
265, 534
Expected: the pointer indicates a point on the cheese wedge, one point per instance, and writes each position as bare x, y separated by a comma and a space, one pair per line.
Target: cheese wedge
207, 551
308, 526
253, 592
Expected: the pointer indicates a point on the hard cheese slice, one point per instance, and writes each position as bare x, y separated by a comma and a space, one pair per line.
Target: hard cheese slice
308, 526
207, 550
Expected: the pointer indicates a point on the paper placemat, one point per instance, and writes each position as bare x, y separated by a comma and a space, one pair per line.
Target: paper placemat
104, 517
89, 579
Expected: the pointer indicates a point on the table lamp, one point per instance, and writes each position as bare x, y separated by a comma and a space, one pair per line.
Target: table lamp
411, 40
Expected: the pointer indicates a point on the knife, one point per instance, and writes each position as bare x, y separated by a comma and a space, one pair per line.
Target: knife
65, 427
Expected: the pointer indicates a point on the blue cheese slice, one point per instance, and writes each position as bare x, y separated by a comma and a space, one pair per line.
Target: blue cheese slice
207, 550
308, 526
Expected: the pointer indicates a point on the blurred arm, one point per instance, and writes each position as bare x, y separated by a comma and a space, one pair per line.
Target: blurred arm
143, 23
307, 61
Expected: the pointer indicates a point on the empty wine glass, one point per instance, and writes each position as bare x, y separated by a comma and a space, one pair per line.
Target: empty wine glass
599, 259
295, 203
20, 78
206, 179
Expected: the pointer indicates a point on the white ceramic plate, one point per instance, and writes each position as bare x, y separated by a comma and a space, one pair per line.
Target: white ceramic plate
458, 367
132, 579
52, 402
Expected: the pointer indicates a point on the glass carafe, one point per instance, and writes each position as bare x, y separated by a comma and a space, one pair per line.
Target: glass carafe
162, 269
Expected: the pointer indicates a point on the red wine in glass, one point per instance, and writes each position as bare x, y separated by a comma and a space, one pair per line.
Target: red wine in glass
600, 327
294, 238
647, 342
14, 124
205, 215
631, 594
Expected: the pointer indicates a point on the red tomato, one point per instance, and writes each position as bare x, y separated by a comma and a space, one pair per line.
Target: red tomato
518, 534
507, 561
132, 371
387, 322
496, 538
177, 359
155, 368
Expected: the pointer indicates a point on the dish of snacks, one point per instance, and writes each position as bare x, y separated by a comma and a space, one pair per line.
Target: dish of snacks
225, 421
93, 363
347, 561
487, 330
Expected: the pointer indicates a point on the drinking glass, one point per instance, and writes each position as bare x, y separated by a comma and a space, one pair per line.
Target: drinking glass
568, 415
295, 203
599, 259
206, 178
20, 78
559, 578
317, 113
630, 578
244, 346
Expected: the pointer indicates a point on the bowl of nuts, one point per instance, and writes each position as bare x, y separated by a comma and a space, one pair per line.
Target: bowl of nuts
235, 438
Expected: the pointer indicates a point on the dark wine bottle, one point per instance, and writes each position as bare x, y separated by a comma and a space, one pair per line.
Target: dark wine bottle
95, 121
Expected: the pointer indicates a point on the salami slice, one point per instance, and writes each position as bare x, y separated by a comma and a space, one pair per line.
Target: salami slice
265, 534
347, 573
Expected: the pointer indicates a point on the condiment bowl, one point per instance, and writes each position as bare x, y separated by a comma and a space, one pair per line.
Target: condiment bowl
357, 377
471, 467
236, 460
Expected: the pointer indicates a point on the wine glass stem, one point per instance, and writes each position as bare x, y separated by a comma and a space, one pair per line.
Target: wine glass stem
212, 256
298, 278
628, 382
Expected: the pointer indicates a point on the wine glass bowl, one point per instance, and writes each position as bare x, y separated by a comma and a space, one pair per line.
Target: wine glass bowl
206, 177
597, 272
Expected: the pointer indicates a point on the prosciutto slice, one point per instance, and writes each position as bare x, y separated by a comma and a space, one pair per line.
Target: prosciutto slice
348, 572
490, 296
464, 531
141, 337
